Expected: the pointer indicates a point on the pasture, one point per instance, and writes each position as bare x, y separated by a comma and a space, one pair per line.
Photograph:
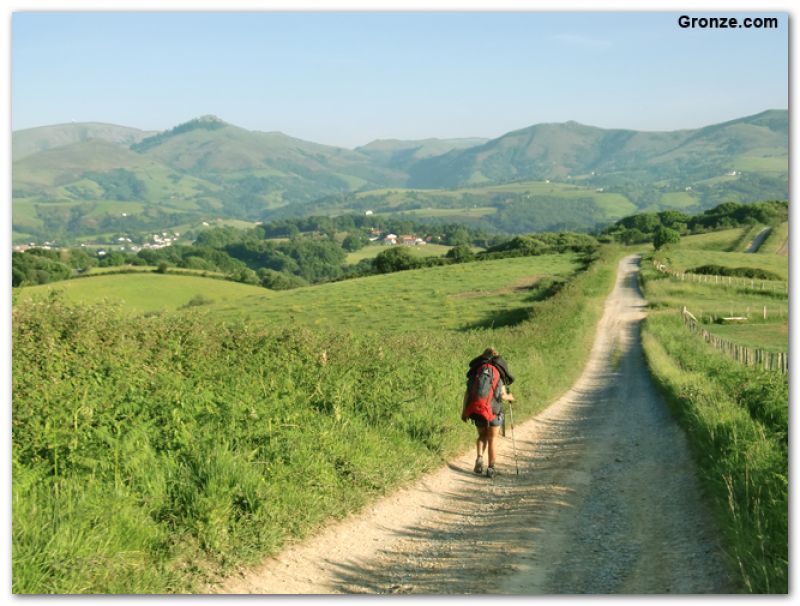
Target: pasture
144, 292
450, 297
722, 240
373, 250
682, 259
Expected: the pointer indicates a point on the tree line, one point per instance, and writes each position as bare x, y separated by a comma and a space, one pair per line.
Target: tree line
667, 226
310, 250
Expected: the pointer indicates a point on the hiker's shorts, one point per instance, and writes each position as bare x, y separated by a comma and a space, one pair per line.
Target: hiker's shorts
481, 422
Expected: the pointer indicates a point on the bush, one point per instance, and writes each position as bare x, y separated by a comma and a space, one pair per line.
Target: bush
461, 253
198, 301
664, 236
742, 272
276, 280
396, 258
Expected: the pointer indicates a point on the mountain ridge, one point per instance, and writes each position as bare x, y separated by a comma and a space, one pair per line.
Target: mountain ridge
208, 165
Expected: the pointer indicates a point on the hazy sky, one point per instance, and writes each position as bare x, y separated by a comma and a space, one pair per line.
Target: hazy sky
348, 78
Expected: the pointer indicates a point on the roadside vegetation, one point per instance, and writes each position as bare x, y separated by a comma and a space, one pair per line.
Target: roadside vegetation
777, 241
152, 453
736, 417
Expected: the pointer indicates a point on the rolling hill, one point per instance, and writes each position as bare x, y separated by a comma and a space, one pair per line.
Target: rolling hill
33, 140
543, 177
560, 151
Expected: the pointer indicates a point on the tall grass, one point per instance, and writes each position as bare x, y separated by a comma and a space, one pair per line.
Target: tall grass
776, 243
152, 454
736, 419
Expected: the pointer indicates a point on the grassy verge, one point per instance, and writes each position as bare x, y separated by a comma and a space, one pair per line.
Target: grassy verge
776, 243
746, 238
151, 454
736, 419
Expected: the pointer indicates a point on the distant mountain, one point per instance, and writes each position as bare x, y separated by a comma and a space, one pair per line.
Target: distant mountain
559, 151
33, 140
91, 178
396, 153
210, 146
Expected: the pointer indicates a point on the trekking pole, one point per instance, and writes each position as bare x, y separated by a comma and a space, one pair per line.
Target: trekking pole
513, 442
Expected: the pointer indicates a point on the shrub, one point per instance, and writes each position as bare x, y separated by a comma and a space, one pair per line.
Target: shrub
743, 272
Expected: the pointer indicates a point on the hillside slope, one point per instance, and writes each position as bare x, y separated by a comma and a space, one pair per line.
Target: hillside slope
29, 141
208, 169
559, 150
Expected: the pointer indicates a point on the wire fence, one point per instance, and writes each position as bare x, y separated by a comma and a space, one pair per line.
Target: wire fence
776, 286
749, 356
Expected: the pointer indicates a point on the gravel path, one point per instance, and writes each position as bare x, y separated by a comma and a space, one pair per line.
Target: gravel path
606, 501
756, 243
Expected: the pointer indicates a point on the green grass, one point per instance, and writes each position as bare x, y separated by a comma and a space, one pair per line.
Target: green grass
777, 242
736, 417
770, 337
708, 302
746, 239
682, 259
373, 250
612, 204
736, 420
452, 297
722, 240
765, 164
678, 200
438, 298
145, 292
452, 213
23, 214
152, 454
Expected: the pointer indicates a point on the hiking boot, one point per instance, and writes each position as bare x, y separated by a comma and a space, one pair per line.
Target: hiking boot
478, 465
490, 472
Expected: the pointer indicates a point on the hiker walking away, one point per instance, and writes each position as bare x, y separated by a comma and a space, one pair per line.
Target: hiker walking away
486, 391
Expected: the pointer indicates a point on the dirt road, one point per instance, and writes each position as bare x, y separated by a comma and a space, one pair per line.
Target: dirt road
606, 501
756, 243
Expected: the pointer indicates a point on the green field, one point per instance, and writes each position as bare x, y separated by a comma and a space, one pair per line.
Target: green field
721, 240
437, 298
683, 259
373, 250
614, 205
770, 337
146, 292
453, 214
678, 200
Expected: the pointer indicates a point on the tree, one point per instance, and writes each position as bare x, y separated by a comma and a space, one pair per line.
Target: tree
397, 258
461, 253
355, 241
664, 236
276, 280
632, 236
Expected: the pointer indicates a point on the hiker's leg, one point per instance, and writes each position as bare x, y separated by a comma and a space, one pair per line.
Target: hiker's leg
480, 443
491, 436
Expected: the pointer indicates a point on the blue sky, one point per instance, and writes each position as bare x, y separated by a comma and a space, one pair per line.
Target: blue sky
348, 78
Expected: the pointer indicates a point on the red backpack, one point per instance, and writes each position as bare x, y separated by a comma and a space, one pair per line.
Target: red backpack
481, 391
